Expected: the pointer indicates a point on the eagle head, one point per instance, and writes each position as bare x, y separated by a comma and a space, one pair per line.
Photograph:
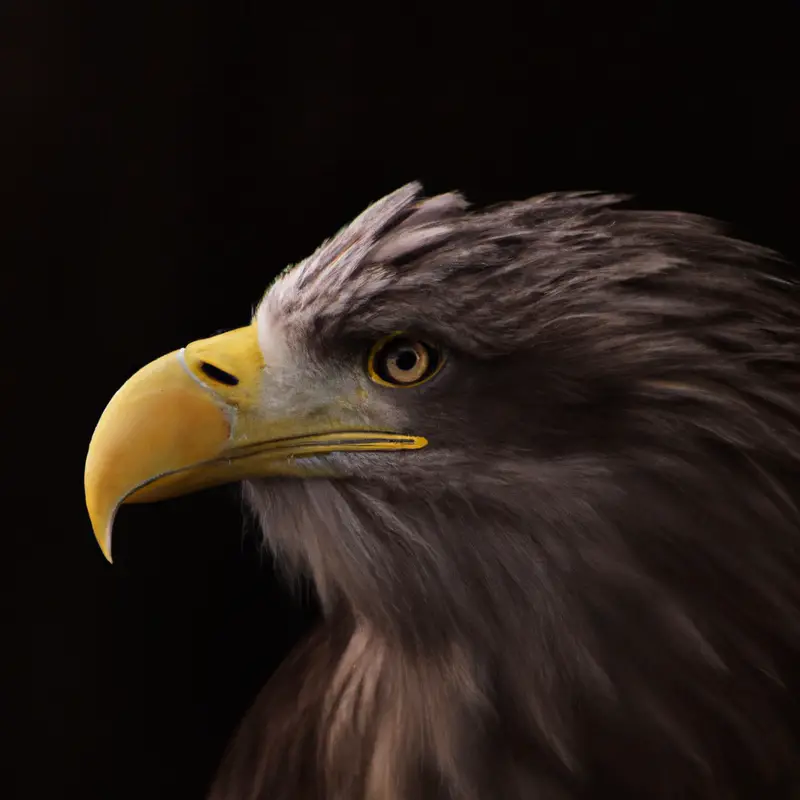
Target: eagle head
540, 462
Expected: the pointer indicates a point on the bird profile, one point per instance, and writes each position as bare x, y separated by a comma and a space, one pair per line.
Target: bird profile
540, 462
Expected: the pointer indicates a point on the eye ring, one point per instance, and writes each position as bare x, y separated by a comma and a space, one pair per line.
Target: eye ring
403, 361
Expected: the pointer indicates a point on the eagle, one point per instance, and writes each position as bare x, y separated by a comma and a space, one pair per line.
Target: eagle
540, 461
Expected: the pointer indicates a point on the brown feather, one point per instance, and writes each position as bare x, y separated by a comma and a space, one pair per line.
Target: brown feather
587, 586
275, 752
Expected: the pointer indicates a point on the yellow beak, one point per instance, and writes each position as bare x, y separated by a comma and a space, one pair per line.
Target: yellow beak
204, 416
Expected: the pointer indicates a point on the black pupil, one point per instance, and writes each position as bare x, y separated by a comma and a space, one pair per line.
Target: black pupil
406, 359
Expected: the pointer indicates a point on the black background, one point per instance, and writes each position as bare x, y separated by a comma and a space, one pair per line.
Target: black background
160, 162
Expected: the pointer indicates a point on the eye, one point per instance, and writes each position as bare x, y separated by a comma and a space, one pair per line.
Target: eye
401, 360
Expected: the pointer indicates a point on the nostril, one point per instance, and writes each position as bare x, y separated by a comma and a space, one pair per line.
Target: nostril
218, 375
